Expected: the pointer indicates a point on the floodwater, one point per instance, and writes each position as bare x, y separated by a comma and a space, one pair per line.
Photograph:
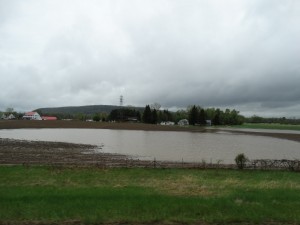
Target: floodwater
173, 146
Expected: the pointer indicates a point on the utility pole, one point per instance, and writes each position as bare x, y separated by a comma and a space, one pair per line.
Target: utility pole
121, 104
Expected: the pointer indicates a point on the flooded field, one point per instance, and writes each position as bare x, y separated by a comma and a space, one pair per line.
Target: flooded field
168, 145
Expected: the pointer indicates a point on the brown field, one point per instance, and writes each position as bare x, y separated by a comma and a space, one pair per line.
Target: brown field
54, 153
16, 124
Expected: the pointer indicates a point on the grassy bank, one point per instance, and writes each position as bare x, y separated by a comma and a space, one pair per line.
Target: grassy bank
94, 195
269, 126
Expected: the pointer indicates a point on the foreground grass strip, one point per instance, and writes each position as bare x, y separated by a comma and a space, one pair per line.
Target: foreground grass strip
94, 195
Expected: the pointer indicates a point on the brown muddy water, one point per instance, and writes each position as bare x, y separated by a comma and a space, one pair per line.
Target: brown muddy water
212, 147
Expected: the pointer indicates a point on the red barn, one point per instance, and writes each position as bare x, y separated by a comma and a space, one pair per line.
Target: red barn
49, 118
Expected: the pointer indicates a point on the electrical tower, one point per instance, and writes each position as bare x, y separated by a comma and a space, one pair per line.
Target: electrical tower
121, 100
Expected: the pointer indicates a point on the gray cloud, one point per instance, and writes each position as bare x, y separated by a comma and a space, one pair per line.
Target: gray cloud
242, 54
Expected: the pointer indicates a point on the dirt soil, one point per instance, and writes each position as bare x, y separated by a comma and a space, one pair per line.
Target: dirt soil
54, 153
16, 124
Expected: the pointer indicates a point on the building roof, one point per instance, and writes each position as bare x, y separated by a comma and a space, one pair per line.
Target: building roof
30, 113
49, 117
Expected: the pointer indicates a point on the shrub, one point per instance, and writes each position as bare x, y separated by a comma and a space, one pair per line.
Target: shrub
241, 160
96, 117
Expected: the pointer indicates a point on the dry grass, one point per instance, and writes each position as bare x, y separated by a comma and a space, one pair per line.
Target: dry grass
185, 185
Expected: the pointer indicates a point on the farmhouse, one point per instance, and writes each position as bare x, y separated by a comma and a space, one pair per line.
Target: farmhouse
168, 123
32, 116
9, 117
183, 122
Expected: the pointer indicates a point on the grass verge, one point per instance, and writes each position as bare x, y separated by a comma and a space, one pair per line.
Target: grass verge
164, 196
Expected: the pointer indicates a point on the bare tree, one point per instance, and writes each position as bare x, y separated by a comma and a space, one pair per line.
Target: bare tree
155, 106
9, 110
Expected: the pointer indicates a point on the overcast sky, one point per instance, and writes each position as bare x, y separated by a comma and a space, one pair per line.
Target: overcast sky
242, 54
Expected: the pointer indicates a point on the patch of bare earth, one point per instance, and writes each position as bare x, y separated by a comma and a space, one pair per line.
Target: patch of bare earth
40, 152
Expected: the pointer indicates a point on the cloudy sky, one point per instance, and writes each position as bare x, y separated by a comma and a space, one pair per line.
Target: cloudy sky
242, 54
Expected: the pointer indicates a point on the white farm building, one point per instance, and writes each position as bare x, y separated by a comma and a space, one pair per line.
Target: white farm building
183, 122
32, 116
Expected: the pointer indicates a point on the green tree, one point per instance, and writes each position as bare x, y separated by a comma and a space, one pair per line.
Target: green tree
256, 119
97, 117
202, 119
165, 115
80, 116
154, 116
138, 116
216, 120
210, 113
226, 117
193, 115
147, 115
181, 114
123, 114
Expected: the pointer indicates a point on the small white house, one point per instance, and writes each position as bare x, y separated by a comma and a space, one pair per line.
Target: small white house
168, 123
183, 122
32, 116
9, 117
208, 122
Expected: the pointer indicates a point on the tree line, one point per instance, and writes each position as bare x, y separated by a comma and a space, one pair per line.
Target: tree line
196, 115
152, 114
280, 120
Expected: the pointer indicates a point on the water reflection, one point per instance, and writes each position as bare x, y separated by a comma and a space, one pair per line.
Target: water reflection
189, 146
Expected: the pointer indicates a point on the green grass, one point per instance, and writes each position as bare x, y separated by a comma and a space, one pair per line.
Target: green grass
94, 195
269, 126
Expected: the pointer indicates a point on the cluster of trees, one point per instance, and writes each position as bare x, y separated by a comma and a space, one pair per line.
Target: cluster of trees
281, 120
153, 114
9, 111
150, 114
124, 114
199, 116
195, 114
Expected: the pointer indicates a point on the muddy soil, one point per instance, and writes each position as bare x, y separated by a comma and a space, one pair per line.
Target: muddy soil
21, 152
41, 153
16, 124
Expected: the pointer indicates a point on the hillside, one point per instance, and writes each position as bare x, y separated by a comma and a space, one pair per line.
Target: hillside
87, 110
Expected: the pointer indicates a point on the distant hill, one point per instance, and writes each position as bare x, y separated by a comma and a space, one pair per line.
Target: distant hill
87, 110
